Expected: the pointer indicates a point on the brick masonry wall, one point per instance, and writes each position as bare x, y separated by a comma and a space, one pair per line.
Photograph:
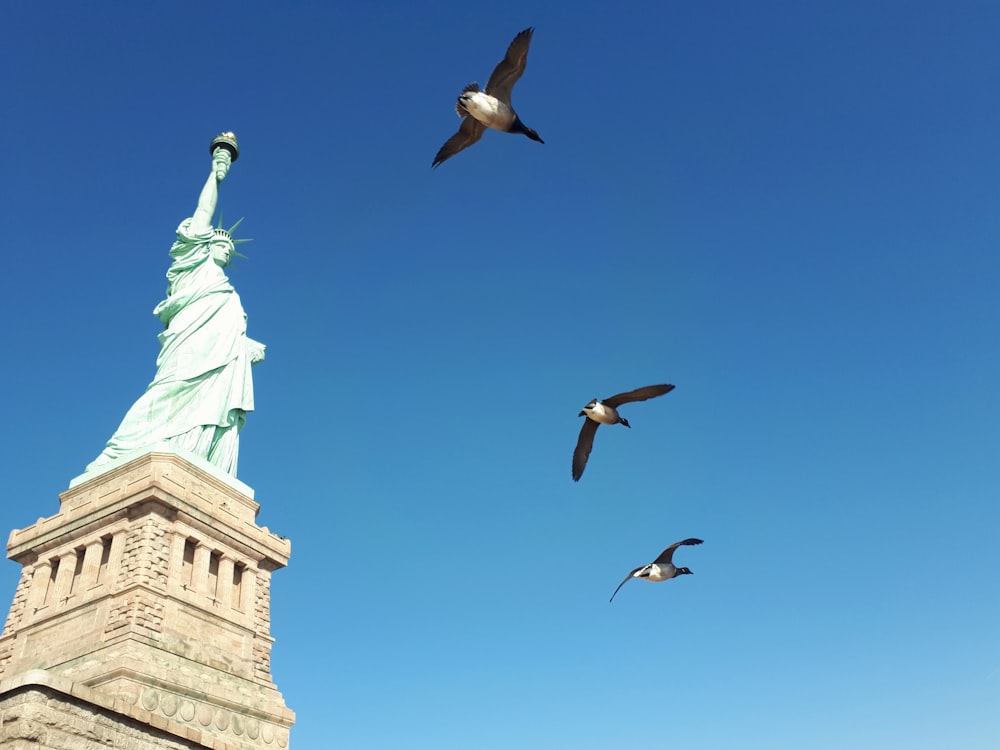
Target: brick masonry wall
262, 626
14, 616
20, 600
37, 718
146, 555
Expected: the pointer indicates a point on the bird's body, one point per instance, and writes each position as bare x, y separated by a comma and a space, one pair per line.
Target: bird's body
601, 412
606, 412
661, 569
491, 108
657, 573
487, 109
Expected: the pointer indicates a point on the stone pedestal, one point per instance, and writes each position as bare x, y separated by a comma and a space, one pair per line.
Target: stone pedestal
150, 589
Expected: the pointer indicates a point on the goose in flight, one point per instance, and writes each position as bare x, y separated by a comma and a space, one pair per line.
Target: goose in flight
606, 412
661, 569
491, 108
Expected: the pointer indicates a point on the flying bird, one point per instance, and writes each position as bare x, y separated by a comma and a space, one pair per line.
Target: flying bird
661, 569
491, 108
606, 412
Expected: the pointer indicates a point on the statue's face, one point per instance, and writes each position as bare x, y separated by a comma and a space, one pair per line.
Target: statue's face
222, 251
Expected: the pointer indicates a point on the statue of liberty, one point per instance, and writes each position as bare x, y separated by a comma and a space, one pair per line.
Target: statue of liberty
203, 386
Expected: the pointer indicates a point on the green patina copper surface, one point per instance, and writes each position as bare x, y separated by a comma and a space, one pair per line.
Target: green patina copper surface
203, 386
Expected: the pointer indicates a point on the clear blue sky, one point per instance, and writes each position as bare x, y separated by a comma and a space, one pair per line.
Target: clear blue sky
791, 210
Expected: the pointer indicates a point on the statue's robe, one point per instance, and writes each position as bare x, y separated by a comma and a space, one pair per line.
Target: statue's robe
203, 385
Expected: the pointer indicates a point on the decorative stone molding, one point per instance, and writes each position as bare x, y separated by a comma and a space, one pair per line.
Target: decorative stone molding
234, 723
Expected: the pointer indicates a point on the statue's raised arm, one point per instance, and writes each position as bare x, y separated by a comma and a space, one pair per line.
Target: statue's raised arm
203, 386
224, 153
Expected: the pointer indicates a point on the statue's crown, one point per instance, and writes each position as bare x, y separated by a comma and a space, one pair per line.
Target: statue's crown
218, 233
227, 234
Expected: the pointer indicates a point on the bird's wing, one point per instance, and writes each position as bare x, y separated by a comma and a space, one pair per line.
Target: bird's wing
470, 131
667, 555
583, 445
508, 70
639, 394
627, 578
